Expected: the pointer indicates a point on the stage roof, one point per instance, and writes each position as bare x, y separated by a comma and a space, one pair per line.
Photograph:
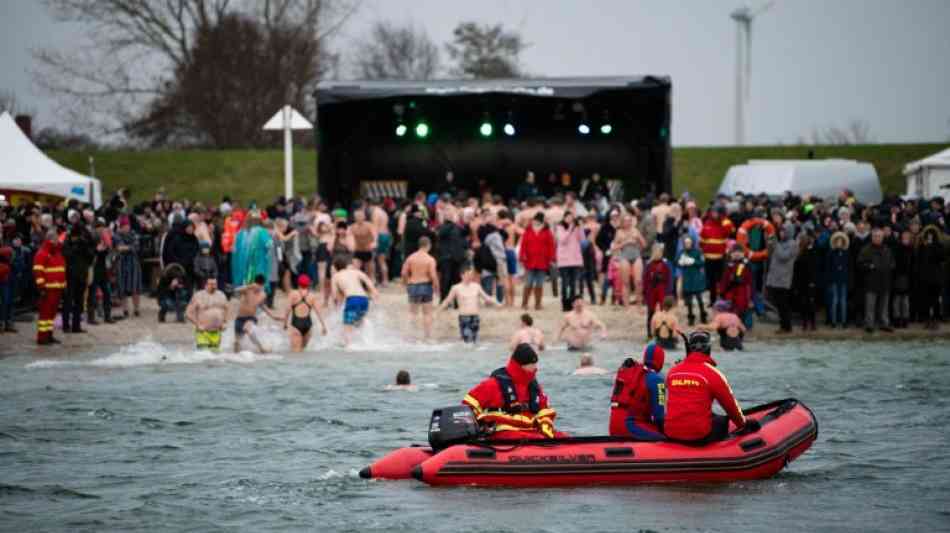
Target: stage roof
329, 92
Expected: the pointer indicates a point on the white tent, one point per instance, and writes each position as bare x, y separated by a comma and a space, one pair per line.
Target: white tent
929, 177
824, 178
23, 167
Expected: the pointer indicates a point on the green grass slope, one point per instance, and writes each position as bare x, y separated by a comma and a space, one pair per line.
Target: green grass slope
207, 175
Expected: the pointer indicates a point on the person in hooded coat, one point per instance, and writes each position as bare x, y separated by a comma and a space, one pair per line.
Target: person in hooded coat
128, 265
638, 402
779, 279
930, 273
838, 276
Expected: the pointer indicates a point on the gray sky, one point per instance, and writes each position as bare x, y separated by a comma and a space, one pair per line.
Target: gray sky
815, 63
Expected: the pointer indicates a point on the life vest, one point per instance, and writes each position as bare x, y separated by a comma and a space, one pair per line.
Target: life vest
753, 235
622, 400
49, 268
713, 238
510, 396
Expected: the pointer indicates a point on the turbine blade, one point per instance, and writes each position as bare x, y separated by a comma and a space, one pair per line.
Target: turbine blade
762, 9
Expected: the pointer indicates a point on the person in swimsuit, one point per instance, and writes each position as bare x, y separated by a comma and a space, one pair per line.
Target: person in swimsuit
208, 311
302, 303
384, 239
579, 325
421, 277
469, 294
528, 334
627, 244
586, 367
352, 288
665, 326
403, 383
251, 298
364, 237
728, 325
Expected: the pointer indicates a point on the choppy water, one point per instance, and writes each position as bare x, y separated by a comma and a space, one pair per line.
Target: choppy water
162, 438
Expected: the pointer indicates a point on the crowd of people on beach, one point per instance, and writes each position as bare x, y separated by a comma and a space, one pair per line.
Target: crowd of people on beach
730, 263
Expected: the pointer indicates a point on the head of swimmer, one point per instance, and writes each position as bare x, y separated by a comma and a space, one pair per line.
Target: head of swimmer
402, 378
578, 303
211, 285
526, 320
587, 360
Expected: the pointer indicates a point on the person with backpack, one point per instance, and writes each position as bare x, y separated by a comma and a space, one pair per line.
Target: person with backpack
638, 402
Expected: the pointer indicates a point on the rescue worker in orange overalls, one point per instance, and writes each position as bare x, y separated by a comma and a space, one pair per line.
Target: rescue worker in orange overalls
638, 402
510, 404
49, 272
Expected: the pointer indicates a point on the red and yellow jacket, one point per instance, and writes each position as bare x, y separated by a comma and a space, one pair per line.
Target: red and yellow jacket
691, 386
512, 403
49, 267
713, 237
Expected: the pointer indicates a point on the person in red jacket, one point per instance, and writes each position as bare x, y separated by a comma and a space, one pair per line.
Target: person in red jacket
537, 255
510, 404
656, 282
735, 286
49, 272
712, 240
691, 387
639, 397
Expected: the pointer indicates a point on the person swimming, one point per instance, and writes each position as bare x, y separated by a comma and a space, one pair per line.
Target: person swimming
403, 383
587, 368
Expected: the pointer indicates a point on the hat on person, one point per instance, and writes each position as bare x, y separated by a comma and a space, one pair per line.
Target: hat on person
303, 280
339, 213
722, 305
654, 356
699, 341
524, 354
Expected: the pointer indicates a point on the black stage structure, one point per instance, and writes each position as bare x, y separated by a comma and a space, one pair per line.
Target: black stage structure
358, 143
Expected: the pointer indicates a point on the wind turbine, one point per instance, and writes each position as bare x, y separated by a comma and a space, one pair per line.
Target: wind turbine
743, 17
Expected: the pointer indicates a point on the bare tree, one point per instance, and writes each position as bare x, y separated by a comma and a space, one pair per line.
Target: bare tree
486, 52
11, 104
133, 49
393, 52
857, 131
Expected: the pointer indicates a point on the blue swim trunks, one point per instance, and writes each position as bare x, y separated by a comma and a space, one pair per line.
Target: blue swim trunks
355, 309
420, 293
512, 259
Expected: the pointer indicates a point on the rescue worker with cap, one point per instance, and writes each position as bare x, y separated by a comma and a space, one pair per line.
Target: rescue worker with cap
510, 404
638, 402
691, 387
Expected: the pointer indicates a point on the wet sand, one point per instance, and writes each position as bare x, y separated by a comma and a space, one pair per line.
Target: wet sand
497, 325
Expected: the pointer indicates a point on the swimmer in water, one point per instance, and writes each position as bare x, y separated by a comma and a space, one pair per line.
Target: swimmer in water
729, 326
528, 334
578, 326
587, 368
469, 294
208, 312
251, 298
403, 383
302, 303
665, 325
353, 289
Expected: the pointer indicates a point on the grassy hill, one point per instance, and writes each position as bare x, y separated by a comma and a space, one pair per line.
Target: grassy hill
206, 175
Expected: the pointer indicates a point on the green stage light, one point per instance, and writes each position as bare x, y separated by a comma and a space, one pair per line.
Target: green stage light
422, 130
401, 130
606, 129
485, 129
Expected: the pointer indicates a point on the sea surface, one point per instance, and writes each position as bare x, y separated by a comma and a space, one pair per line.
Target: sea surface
156, 437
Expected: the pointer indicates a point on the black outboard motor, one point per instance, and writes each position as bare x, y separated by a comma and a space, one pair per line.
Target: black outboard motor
452, 425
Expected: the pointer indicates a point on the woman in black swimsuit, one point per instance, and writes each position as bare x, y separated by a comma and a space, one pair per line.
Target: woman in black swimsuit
302, 323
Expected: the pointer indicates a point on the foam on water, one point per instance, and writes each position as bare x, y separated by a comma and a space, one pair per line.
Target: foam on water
148, 352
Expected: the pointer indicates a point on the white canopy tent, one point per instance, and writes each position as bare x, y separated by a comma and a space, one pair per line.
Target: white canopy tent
929, 177
23, 167
824, 178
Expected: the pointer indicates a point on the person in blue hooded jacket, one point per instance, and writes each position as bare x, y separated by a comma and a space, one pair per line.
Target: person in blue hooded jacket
638, 402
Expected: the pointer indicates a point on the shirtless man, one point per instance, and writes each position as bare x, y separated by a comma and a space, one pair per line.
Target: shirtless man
422, 281
578, 326
403, 383
665, 326
208, 311
469, 294
353, 288
384, 240
729, 326
528, 334
302, 302
526, 215
364, 239
250, 298
587, 368
513, 232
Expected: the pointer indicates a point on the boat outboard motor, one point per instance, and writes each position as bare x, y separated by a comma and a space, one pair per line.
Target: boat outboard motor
452, 425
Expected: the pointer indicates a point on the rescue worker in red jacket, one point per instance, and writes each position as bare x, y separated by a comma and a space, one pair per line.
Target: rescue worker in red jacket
639, 399
691, 387
712, 241
49, 272
510, 404
657, 278
736, 283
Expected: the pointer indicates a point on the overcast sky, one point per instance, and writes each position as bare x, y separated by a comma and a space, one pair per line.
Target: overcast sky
815, 63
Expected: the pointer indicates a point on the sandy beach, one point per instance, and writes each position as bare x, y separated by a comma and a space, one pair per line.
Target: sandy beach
497, 324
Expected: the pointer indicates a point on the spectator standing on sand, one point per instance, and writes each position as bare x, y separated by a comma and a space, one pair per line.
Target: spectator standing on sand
692, 265
569, 257
537, 254
129, 268
805, 280
931, 273
657, 279
779, 279
528, 189
451, 251
877, 263
838, 274
78, 251
903, 270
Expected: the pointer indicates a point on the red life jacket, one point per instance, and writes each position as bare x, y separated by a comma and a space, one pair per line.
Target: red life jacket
626, 396
713, 237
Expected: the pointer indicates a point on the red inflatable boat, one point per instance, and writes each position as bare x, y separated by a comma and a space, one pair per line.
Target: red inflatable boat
788, 428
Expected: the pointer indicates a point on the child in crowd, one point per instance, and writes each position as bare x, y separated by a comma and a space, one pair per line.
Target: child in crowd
469, 294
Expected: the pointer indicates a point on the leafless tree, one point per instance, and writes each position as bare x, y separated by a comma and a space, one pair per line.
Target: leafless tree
11, 104
133, 49
485, 51
392, 52
857, 131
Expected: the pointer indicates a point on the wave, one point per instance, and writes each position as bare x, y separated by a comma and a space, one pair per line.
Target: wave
150, 353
